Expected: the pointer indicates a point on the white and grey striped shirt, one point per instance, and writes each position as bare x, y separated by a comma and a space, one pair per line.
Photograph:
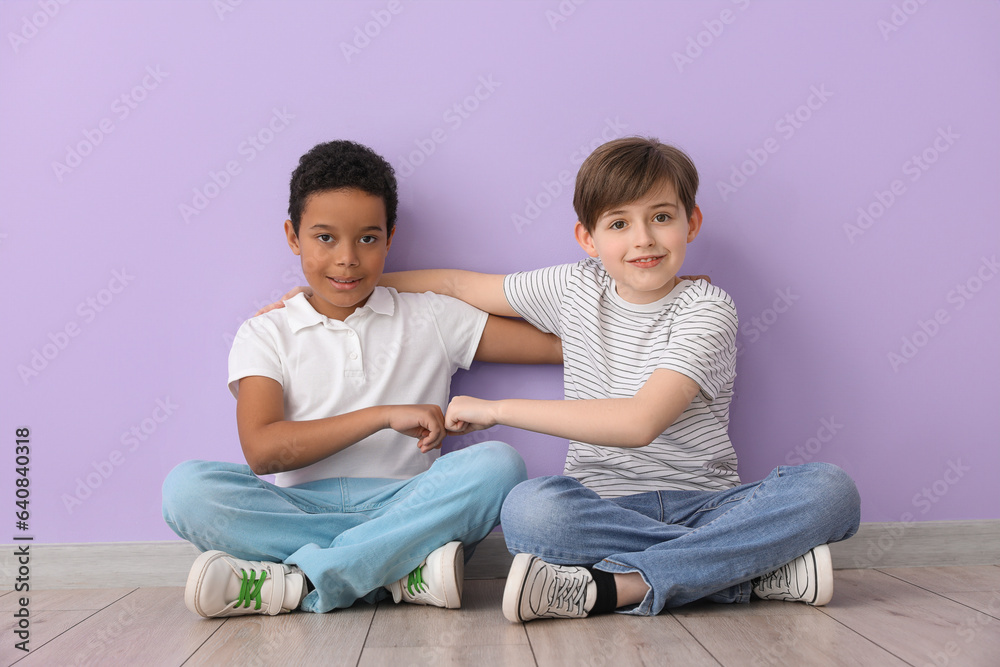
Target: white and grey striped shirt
611, 347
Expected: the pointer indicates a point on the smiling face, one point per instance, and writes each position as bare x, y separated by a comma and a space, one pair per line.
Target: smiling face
642, 244
343, 243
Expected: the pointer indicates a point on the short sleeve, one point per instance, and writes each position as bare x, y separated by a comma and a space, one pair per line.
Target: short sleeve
537, 295
254, 352
459, 325
702, 343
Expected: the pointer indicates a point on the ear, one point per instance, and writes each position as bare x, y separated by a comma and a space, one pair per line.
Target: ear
293, 238
694, 224
585, 239
388, 240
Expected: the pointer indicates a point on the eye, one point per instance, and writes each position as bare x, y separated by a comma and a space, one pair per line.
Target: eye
368, 239
324, 238
661, 217
617, 224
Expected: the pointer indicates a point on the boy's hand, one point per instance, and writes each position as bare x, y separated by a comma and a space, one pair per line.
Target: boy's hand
424, 422
281, 304
470, 414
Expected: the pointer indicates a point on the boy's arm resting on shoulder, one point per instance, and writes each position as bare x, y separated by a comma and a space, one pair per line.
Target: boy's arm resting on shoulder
482, 290
272, 444
509, 341
610, 422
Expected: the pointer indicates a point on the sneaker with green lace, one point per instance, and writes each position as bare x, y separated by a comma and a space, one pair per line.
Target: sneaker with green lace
436, 582
223, 585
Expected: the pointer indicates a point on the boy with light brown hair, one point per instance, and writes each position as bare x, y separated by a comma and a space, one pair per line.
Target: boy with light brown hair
650, 512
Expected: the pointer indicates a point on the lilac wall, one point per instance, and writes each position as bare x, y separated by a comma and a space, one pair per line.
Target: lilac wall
848, 153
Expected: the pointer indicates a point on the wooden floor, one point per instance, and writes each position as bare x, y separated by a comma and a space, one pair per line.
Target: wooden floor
898, 616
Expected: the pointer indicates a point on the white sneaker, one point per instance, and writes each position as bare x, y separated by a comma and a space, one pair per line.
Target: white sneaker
536, 589
222, 585
808, 578
436, 582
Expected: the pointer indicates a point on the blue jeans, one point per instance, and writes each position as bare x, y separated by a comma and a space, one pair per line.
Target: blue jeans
687, 545
350, 536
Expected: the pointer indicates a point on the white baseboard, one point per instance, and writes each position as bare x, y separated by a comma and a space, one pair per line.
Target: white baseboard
147, 564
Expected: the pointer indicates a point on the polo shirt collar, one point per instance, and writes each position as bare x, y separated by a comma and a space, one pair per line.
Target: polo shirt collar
301, 314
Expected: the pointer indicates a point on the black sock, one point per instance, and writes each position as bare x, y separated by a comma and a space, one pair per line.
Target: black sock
607, 592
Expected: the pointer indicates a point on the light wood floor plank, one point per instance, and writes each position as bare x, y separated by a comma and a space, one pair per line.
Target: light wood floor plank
988, 602
45, 626
50, 600
790, 639
479, 622
914, 624
616, 640
148, 626
950, 579
504, 655
299, 638
753, 608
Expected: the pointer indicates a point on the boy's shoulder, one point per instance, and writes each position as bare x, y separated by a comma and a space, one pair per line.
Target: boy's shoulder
693, 291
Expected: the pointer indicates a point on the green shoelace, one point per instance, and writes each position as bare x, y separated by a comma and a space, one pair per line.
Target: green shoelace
250, 588
416, 580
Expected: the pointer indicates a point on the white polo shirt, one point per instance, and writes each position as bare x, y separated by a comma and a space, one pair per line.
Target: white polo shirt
396, 349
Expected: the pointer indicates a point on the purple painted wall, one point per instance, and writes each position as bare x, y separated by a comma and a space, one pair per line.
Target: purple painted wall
848, 154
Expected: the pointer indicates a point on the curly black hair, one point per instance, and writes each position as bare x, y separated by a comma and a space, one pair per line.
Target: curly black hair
342, 164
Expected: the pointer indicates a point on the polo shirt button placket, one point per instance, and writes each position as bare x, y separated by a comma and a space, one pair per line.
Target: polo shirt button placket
355, 367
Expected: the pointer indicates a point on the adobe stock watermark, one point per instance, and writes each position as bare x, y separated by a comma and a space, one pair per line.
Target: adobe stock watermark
102, 640
899, 16
787, 126
249, 149
914, 168
704, 39
957, 298
364, 34
32, 24
134, 438
87, 310
968, 630
121, 108
561, 12
810, 449
563, 181
752, 330
292, 277
776, 652
454, 116
225, 7
923, 501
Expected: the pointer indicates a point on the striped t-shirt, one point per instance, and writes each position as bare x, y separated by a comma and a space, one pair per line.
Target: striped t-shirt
611, 347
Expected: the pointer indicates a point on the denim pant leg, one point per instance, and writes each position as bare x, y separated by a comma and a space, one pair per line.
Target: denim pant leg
459, 498
689, 545
349, 536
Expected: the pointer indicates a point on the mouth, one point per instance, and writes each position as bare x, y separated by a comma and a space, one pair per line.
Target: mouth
344, 283
646, 262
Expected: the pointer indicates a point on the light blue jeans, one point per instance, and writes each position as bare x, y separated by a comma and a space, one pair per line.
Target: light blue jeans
687, 545
350, 536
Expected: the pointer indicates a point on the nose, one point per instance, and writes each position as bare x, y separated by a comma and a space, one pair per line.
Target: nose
346, 255
641, 236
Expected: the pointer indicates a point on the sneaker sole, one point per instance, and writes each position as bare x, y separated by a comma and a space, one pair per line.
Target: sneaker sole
192, 590
455, 554
823, 569
513, 590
